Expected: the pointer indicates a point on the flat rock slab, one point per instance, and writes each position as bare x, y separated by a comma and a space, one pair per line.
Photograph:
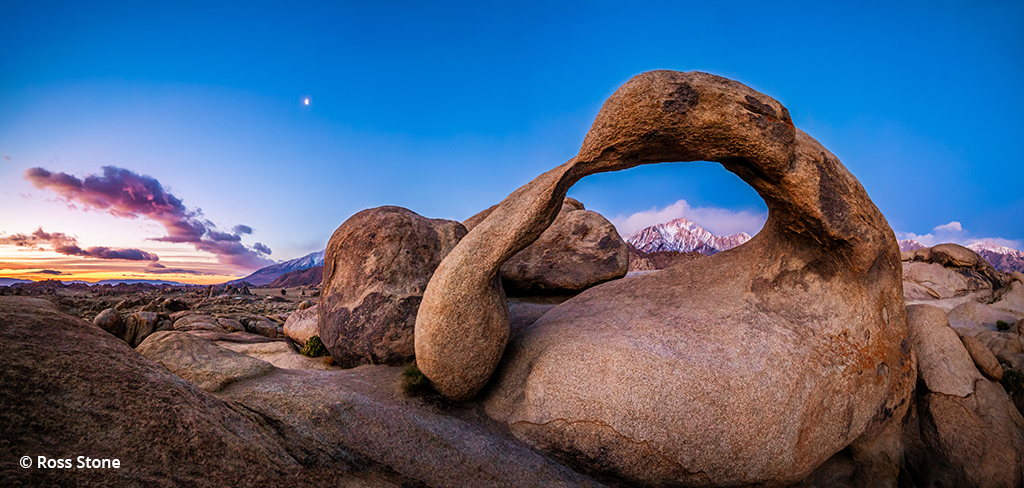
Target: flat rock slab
201, 361
362, 409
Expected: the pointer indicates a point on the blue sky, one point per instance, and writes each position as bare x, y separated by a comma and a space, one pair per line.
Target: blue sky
445, 108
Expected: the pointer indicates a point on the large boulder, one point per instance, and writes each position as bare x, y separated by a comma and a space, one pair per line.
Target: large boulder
752, 366
1012, 300
139, 325
972, 318
948, 275
580, 249
944, 287
262, 327
376, 269
111, 321
943, 364
303, 324
983, 358
195, 321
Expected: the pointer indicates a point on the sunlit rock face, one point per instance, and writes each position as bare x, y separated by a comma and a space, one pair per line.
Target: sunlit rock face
754, 365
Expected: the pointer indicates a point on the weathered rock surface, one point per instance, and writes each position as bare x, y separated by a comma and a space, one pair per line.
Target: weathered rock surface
376, 268
111, 321
976, 441
580, 249
944, 287
231, 325
942, 361
198, 360
303, 324
983, 358
754, 365
264, 328
1012, 300
68, 388
972, 318
963, 429
139, 325
948, 275
360, 410
285, 428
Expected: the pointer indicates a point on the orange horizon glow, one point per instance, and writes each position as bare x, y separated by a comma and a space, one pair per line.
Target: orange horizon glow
44, 264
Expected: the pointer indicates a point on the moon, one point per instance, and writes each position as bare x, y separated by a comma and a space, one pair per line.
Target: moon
306, 101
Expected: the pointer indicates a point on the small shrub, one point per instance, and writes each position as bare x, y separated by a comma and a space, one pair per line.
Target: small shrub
1002, 325
415, 383
1013, 380
313, 348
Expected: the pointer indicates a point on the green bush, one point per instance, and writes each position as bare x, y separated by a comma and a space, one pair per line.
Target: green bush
415, 383
1013, 380
313, 348
1002, 325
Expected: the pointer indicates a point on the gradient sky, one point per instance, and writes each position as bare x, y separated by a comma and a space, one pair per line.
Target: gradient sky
445, 108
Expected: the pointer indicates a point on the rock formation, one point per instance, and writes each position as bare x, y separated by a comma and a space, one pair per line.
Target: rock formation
377, 266
948, 275
963, 429
303, 324
69, 388
754, 365
580, 249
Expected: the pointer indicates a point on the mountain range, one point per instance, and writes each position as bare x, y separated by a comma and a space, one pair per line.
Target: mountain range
1005, 259
683, 235
267, 275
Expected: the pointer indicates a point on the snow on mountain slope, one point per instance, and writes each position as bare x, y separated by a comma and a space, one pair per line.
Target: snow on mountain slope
683, 236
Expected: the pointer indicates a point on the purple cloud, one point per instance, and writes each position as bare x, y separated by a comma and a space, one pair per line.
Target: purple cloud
67, 245
123, 193
157, 268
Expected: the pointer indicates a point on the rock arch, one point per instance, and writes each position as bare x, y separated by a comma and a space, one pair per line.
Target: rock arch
751, 366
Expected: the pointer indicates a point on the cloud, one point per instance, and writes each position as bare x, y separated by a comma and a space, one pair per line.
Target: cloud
953, 226
51, 272
68, 245
718, 221
123, 193
7, 158
955, 233
261, 248
157, 268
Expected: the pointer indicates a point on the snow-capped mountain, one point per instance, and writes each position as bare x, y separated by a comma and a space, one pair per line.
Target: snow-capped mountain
270, 273
683, 236
1003, 258
910, 245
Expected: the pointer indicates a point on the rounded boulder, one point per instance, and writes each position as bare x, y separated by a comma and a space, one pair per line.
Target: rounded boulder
376, 268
